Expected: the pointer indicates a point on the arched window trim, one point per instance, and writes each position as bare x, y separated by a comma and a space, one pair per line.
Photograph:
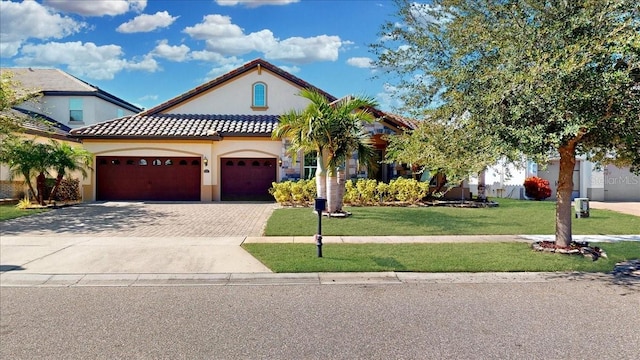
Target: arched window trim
256, 103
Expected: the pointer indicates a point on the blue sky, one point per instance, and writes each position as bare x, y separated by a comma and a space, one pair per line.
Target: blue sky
148, 51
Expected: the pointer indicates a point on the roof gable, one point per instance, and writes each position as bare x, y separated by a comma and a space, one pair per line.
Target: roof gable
257, 64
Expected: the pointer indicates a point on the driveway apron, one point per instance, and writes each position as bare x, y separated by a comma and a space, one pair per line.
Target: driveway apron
135, 237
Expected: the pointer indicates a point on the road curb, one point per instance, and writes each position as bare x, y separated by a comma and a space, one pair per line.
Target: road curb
13, 279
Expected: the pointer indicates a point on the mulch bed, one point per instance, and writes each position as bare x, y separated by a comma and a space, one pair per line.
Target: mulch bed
575, 248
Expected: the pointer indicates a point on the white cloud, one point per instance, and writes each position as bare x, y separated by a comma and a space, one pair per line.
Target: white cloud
304, 50
83, 59
147, 23
29, 19
173, 53
360, 62
214, 26
254, 3
225, 38
97, 7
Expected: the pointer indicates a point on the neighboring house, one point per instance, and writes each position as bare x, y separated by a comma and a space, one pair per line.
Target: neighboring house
66, 102
211, 143
609, 183
67, 99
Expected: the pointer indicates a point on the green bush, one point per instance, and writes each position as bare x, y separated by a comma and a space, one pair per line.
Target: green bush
359, 192
301, 192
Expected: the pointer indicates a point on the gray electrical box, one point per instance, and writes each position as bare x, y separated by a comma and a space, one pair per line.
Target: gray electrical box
582, 207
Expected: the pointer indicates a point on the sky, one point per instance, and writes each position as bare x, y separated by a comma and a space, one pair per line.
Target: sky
149, 51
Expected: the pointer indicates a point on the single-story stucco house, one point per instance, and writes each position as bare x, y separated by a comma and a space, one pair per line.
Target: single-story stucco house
210, 143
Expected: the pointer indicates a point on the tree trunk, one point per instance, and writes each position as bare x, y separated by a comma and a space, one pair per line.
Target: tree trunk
40, 185
565, 188
55, 187
321, 177
482, 189
332, 191
341, 188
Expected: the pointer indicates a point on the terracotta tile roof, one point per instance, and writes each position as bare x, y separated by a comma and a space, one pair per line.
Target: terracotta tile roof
230, 75
180, 126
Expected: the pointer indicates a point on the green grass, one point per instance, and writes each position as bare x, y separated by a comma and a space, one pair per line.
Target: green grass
512, 217
441, 257
11, 212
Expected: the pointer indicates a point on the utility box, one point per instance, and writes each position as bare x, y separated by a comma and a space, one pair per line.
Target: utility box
582, 207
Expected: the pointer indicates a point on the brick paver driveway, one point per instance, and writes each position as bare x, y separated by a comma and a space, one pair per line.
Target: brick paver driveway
146, 219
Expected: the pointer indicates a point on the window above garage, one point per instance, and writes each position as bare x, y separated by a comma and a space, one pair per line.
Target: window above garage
259, 96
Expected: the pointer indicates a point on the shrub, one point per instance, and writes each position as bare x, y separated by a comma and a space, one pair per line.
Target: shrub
24, 203
301, 192
408, 190
537, 188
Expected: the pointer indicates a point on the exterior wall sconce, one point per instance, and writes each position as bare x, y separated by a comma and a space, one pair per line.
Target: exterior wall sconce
279, 161
205, 161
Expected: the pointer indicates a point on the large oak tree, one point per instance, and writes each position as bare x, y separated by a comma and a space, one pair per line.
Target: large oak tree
548, 78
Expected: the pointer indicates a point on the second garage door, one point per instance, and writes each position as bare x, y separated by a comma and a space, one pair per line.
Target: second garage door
148, 178
247, 179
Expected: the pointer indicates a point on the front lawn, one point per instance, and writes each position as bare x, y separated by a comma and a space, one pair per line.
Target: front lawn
512, 217
440, 257
11, 211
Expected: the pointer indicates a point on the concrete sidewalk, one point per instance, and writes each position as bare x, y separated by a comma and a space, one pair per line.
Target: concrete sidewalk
17, 279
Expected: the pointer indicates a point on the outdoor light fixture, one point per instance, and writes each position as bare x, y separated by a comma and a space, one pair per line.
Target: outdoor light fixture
280, 161
205, 161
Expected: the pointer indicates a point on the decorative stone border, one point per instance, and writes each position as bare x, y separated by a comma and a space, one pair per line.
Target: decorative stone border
575, 248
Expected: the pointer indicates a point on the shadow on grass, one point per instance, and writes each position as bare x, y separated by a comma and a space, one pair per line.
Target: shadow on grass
389, 262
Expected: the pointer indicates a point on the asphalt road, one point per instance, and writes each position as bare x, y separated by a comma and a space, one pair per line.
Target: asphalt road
578, 319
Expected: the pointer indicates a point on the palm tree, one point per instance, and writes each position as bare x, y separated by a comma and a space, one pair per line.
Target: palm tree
65, 158
348, 137
307, 131
334, 131
26, 158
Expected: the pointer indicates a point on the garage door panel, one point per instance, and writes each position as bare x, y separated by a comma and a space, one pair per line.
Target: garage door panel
247, 179
148, 178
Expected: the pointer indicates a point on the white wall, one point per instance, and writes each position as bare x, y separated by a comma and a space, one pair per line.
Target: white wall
95, 109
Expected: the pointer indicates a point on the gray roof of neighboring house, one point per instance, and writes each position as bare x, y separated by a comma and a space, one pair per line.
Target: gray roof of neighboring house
180, 126
56, 82
39, 124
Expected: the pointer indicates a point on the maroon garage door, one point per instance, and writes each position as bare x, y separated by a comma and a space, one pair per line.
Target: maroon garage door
245, 179
148, 178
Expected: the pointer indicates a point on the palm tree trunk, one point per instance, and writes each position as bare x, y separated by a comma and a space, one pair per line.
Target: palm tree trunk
321, 176
55, 187
341, 179
40, 185
332, 191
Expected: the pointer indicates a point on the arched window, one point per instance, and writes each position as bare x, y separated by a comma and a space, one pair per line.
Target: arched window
259, 95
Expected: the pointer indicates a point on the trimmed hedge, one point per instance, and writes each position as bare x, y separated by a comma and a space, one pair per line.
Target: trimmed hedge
359, 192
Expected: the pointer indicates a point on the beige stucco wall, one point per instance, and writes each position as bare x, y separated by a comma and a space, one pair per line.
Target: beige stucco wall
212, 150
235, 97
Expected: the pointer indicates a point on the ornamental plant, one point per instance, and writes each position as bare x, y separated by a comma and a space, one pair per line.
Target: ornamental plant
537, 188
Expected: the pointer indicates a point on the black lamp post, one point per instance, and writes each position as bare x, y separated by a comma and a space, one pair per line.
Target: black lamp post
320, 205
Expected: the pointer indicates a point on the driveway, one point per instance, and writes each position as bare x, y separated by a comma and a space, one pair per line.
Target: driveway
631, 208
135, 237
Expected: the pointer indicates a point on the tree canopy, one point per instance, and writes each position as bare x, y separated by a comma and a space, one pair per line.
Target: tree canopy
548, 78
12, 94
